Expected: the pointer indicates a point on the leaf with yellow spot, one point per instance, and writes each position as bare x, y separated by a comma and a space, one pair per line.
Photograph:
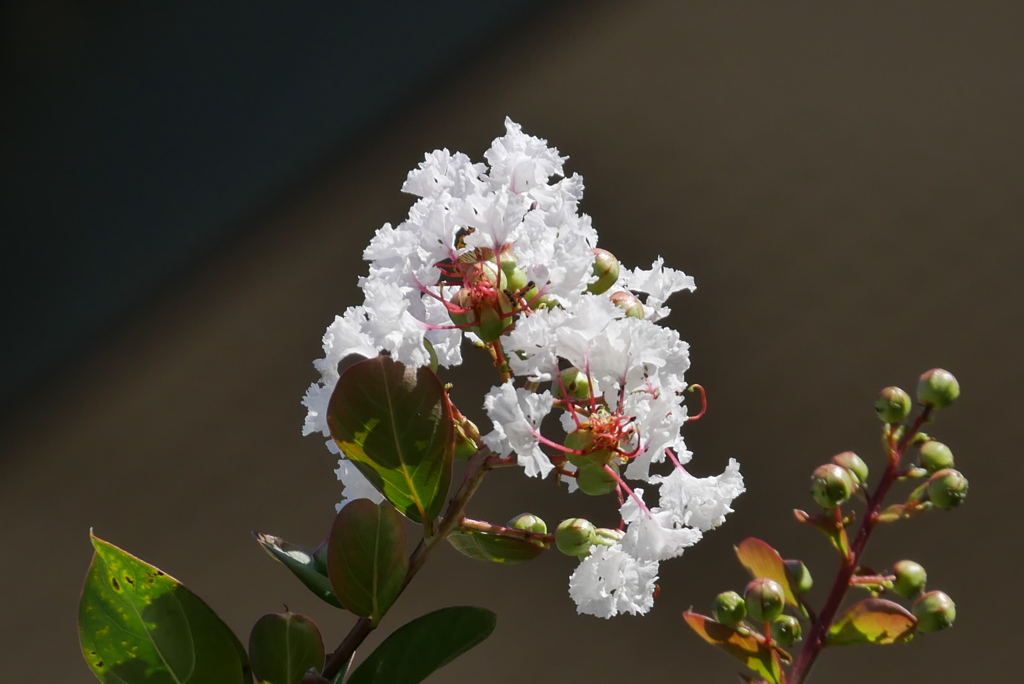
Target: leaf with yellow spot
137, 625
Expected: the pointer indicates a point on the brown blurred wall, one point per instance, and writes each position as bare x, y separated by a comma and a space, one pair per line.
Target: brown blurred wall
843, 180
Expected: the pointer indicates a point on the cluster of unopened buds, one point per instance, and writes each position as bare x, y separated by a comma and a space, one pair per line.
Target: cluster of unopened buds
498, 254
768, 617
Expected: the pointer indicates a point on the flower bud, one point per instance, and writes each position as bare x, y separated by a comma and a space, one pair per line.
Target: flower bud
628, 303
910, 578
528, 522
466, 434
947, 488
574, 536
575, 382
729, 608
594, 480
935, 456
764, 598
583, 440
606, 536
854, 464
491, 324
937, 387
892, 405
785, 630
606, 268
831, 485
802, 581
462, 299
934, 611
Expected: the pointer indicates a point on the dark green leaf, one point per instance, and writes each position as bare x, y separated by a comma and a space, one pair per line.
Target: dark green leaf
742, 645
415, 650
283, 647
395, 424
366, 559
872, 621
488, 547
764, 561
139, 625
301, 561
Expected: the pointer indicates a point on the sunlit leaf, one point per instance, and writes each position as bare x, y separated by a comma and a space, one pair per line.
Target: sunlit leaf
283, 647
744, 646
764, 561
489, 547
366, 559
414, 651
872, 621
395, 424
138, 625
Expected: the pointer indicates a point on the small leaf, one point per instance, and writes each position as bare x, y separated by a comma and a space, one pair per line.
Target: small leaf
283, 647
744, 646
764, 561
836, 534
138, 625
395, 424
872, 621
415, 650
303, 564
366, 561
489, 547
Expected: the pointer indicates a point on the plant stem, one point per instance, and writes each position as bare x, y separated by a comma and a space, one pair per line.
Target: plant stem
849, 564
485, 461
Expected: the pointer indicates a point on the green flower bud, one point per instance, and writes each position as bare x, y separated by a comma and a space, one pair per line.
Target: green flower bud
595, 480
606, 536
466, 434
517, 280
628, 303
802, 581
854, 464
765, 599
785, 630
528, 522
934, 611
606, 268
491, 324
937, 387
947, 488
831, 485
543, 302
892, 405
935, 456
583, 440
574, 536
576, 384
463, 300
910, 578
729, 608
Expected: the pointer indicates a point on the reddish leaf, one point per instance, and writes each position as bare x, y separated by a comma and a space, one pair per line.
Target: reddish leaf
744, 646
764, 561
873, 621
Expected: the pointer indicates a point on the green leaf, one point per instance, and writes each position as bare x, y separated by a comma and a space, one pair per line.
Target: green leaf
489, 547
138, 625
764, 561
283, 647
872, 621
395, 424
303, 564
366, 561
415, 650
742, 645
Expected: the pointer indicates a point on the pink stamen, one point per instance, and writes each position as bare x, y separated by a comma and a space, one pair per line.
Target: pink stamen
555, 445
675, 461
703, 402
622, 483
568, 402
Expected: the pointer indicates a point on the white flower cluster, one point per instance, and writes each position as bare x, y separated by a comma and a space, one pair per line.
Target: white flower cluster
500, 253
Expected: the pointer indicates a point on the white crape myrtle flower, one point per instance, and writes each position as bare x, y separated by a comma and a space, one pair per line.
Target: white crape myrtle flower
700, 502
499, 254
610, 581
517, 414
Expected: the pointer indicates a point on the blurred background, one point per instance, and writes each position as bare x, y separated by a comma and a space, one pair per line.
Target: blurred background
188, 188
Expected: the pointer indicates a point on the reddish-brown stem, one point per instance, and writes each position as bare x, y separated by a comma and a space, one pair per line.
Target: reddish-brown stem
848, 565
502, 531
